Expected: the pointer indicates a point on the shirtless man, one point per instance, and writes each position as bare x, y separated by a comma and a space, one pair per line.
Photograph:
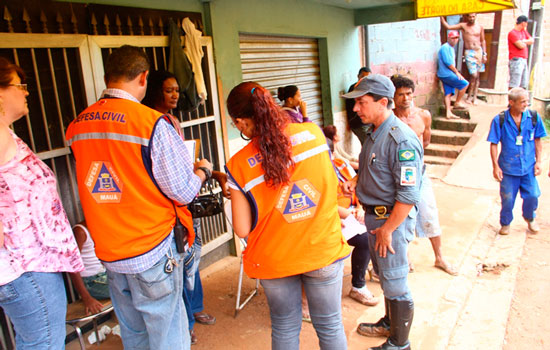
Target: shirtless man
420, 120
475, 50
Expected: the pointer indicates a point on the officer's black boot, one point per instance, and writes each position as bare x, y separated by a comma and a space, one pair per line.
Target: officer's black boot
378, 329
401, 315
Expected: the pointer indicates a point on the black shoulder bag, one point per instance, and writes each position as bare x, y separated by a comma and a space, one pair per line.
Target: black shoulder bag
208, 204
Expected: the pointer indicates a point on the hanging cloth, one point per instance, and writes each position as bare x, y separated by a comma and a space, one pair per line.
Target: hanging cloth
194, 52
179, 65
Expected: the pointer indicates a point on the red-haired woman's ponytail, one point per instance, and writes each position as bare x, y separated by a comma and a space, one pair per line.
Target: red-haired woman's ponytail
251, 100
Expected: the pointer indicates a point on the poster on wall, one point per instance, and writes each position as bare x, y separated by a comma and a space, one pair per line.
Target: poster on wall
437, 8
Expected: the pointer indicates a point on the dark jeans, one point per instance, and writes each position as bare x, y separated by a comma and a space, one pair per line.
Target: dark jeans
360, 258
192, 286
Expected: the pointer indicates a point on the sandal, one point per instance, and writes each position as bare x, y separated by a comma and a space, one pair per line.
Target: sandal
204, 318
373, 276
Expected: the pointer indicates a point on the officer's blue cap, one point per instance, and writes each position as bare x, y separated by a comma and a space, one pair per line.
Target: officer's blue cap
373, 84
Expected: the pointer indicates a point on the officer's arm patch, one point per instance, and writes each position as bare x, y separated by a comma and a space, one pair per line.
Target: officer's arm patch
406, 155
408, 176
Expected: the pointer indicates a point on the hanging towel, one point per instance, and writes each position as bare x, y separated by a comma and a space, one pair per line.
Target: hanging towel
193, 50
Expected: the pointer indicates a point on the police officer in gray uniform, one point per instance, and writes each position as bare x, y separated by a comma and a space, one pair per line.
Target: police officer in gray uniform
388, 187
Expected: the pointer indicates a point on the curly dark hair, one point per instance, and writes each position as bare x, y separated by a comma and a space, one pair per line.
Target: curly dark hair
154, 95
249, 100
7, 69
400, 81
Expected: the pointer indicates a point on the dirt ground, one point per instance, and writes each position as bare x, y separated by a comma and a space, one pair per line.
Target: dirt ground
499, 308
528, 327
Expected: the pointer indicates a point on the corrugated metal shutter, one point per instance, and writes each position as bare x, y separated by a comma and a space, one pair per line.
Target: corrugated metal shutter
279, 61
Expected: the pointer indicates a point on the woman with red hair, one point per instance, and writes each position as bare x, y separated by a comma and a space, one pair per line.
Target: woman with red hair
283, 194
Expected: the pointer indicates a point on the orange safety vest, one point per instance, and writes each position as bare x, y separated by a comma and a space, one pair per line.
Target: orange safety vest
345, 173
126, 212
296, 227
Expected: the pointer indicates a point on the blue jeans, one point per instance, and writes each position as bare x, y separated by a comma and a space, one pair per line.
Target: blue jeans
36, 303
150, 308
323, 289
394, 268
360, 258
192, 286
529, 190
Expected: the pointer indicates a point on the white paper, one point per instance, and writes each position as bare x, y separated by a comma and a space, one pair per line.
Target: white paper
352, 227
190, 145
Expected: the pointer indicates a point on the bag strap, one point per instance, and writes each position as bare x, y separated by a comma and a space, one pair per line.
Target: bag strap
534, 118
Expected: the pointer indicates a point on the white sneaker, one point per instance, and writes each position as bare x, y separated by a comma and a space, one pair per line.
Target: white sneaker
364, 296
533, 226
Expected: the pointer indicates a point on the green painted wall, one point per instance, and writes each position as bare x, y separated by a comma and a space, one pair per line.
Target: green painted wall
335, 27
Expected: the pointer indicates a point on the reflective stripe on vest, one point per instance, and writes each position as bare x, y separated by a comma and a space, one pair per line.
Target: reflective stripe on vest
297, 158
108, 136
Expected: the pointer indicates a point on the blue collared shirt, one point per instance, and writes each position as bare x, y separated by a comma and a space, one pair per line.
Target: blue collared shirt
390, 165
514, 159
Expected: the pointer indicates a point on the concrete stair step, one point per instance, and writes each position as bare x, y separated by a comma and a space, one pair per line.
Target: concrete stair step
438, 160
462, 113
449, 137
443, 150
453, 124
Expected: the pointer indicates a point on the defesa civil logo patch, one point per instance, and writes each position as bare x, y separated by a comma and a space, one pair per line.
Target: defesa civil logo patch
103, 183
298, 201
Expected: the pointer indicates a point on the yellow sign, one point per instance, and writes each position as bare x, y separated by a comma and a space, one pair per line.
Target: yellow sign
437, 8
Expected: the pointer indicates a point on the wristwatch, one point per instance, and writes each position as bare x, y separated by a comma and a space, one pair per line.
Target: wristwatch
206, 172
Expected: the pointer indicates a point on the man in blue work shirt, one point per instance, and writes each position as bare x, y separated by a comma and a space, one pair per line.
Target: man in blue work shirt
449, 75
520, 158
388, 187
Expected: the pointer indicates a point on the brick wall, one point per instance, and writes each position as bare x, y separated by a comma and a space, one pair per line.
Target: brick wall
409, 48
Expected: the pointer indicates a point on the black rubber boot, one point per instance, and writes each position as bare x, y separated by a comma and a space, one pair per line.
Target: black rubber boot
378, 329
401, 315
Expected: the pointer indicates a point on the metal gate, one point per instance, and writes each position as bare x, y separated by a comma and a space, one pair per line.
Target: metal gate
65, 74
274, 61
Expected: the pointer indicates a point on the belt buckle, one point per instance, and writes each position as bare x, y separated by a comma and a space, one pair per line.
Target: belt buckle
381, 211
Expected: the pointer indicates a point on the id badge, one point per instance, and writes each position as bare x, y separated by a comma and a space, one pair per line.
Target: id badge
519, 140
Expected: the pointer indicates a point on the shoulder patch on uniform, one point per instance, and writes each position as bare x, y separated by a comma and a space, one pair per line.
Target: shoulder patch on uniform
408, 176
397, 134
407, 155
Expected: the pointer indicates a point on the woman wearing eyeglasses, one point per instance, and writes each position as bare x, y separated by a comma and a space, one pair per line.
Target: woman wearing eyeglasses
283, 198
38, 243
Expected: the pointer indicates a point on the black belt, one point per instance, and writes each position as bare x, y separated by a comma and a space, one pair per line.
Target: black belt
380, 211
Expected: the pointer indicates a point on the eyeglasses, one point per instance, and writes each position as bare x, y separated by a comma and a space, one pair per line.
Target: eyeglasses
22, 87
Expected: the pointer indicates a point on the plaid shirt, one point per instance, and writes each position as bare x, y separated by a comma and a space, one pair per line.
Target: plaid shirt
173, 172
